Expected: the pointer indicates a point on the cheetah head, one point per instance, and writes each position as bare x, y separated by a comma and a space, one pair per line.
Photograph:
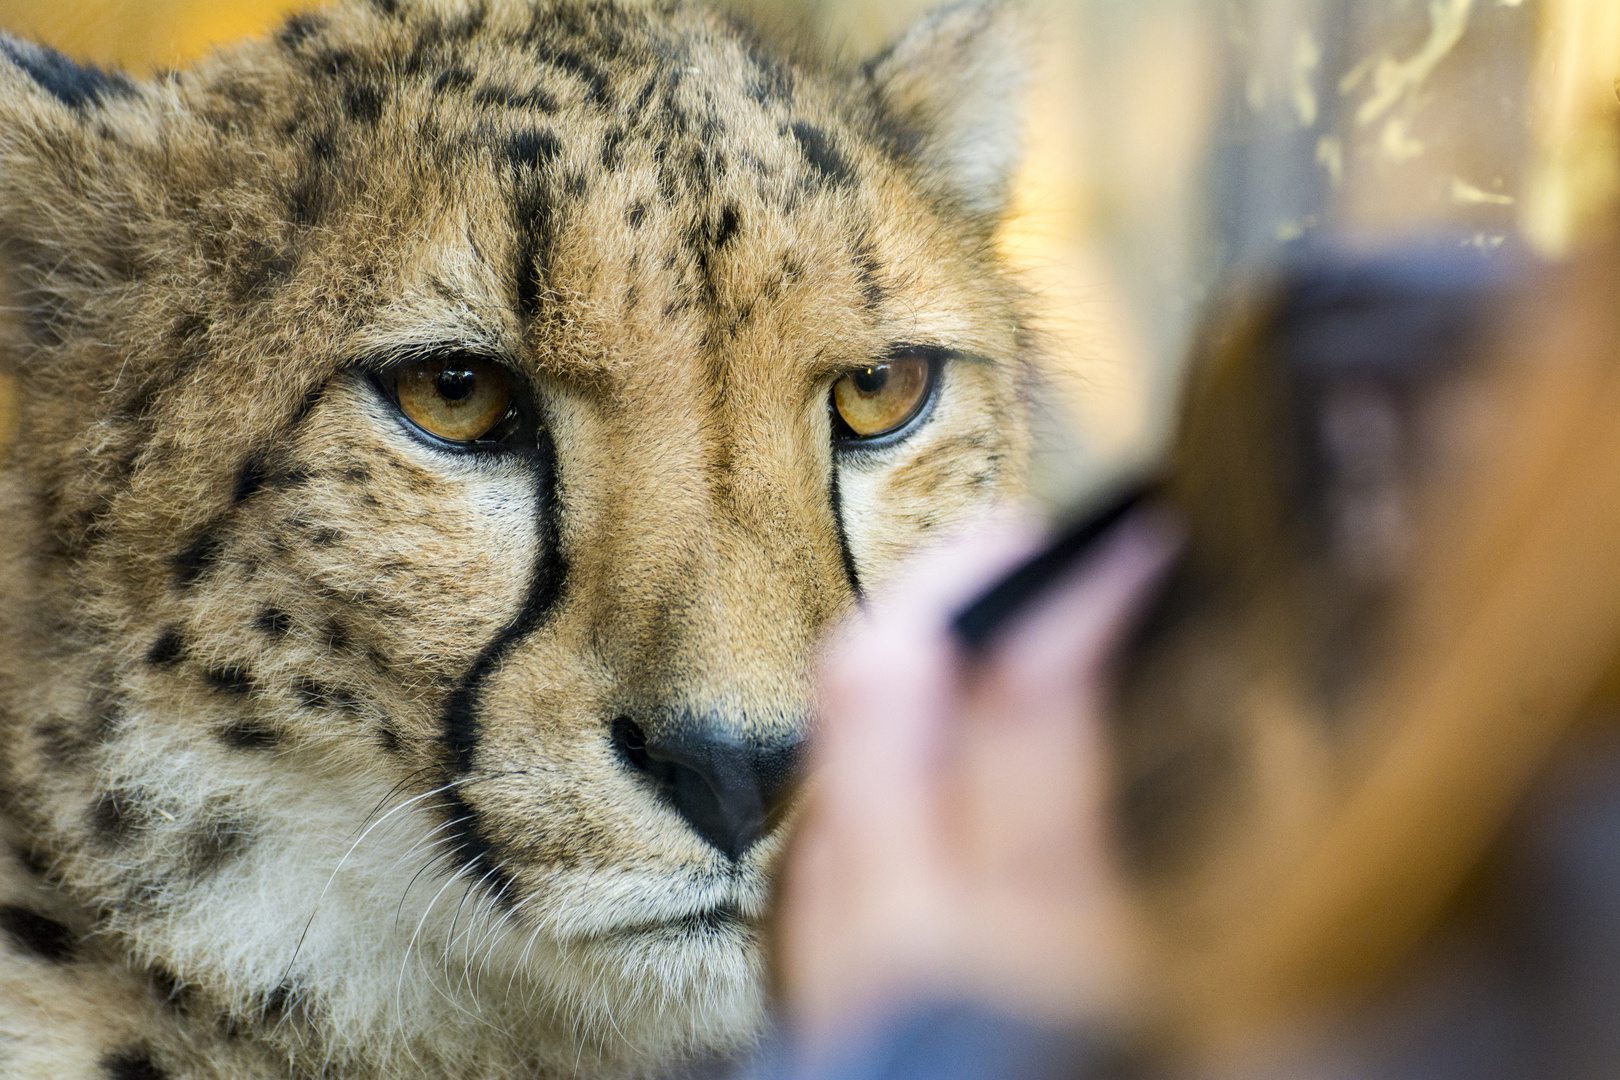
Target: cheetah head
445, 430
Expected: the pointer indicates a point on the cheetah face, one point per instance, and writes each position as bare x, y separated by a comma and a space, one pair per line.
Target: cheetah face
447, 431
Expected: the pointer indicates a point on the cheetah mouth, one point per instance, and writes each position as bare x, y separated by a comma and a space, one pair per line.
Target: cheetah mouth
724, 919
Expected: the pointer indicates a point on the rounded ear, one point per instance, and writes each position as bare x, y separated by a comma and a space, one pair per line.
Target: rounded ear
64, 186
954, 83
77, 86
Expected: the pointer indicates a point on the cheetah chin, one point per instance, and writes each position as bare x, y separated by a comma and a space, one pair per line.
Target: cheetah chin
445, 429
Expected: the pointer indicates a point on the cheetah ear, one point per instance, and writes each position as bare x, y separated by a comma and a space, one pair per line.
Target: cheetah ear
65, 187
954, 83
33, 71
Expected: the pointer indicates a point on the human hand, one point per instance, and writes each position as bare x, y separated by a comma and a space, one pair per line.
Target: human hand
955, 844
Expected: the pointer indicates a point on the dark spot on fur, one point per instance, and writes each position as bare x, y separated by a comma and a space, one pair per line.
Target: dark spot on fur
316, 695
613, 149
197, 559
322, 147
727, 228
118, 814
866, 271
596, 80
706, 240
273, 1005
74, 85
331, 63
456, 78
211, 845
60, 743
774, 82
635, 213
532, 149
131, 1065
388, 738
364, 103
249, 480
306, 200
337, 635
505, 97
325, 536
529, 152
273, 621
390, 8
170, 990
249, 735
644, 97
261, 268
234, 679
830, 166
168, 648
357, 474
44, 939
32, 861
298, 29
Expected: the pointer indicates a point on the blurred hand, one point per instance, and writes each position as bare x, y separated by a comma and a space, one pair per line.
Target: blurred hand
955, 843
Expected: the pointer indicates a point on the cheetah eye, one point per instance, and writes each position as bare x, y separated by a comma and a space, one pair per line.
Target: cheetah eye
877, 400
461, 399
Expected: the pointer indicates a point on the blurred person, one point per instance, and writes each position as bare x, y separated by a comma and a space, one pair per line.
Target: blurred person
952, 905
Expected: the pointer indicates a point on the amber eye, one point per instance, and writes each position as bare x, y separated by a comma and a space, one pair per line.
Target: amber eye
459, 399
876, 400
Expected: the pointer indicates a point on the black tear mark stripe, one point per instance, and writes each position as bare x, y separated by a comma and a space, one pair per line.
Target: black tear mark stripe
77, 86
835, 496
545, 589
32, 933
468, 847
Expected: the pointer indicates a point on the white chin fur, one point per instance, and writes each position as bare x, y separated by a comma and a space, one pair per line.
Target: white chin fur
395, 969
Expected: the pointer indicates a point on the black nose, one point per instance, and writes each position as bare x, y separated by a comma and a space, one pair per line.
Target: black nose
730, 790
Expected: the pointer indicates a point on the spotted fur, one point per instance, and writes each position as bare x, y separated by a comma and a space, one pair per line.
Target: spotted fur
306, 722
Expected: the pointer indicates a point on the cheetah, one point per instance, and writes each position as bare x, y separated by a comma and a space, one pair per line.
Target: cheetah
445, 428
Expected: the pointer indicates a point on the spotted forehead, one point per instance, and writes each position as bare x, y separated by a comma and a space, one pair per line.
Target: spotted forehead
573, 91
556, 142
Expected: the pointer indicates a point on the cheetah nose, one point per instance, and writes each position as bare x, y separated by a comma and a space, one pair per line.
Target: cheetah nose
730, 790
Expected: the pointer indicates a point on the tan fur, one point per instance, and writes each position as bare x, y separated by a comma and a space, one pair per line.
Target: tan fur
241, 598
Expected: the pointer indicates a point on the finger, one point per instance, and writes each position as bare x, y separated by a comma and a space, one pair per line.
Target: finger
888, 679
1029, 757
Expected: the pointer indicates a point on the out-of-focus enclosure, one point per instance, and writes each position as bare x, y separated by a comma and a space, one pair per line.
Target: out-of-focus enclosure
1176, 148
